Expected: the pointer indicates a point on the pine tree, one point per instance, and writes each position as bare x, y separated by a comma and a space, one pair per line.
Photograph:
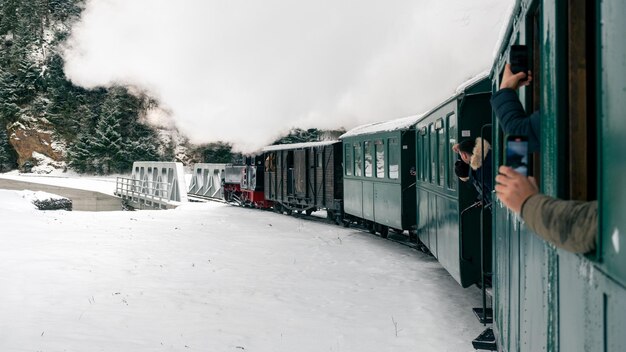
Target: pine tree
7, 154
80, 154
107, 144
142, 149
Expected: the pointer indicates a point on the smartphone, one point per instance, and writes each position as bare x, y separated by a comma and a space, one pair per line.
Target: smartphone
517, 153
518, 58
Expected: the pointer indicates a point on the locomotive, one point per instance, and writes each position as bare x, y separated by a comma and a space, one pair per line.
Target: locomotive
399, 175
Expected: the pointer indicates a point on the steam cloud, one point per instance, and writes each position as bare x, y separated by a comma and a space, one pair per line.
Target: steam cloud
247, 71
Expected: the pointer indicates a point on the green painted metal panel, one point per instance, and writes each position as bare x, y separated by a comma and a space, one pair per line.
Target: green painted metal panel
514, 284
353, 197
387, 207
553, 95
432, 225
533, 302
368, 200
422, 216
501, 264
613, 139
448, 236
613, 168
614, 299
580, 305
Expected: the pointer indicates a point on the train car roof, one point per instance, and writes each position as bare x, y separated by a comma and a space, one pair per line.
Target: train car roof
410, 121
270, 148
386, 126
472, 81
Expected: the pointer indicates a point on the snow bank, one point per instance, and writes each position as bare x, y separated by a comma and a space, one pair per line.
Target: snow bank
24, 200
16, 201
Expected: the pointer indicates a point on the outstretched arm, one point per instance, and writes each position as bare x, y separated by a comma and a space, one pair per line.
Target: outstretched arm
570, 225
509, 109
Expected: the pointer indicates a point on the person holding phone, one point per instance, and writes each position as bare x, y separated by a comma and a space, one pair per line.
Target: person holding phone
509, 110
567, 224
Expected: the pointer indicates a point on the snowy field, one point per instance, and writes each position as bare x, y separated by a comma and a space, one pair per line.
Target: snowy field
212, 277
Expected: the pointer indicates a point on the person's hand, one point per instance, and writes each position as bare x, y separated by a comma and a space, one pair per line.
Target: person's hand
513, 188
514, 81
455, 148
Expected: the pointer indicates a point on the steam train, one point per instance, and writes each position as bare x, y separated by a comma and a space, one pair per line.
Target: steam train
399, 175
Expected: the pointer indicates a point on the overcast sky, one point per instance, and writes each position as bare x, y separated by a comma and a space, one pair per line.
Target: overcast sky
247, 71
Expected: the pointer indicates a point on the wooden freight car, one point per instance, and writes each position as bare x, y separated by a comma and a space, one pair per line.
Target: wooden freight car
304, 177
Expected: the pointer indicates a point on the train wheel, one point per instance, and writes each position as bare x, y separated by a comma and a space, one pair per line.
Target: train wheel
384, 231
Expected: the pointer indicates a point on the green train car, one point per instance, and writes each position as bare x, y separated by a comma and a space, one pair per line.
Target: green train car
379, 175
448, 220
544, 298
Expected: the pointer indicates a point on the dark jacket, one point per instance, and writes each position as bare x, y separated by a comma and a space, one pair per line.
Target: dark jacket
513, 118
567, 224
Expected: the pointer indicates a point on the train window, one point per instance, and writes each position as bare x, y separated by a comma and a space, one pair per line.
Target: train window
451, 156
394, 151
348, 160
420, 148
368, 159
433, 153
358, 160
441, 152
380, 159
423, 154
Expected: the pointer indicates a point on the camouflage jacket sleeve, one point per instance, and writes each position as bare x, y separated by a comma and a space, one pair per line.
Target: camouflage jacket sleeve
570, 225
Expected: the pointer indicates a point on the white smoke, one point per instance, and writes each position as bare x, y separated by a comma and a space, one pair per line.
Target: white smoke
246, 71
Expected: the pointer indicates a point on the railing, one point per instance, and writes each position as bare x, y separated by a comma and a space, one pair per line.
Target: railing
149, 193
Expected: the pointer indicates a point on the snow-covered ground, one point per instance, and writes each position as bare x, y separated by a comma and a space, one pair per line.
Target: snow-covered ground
103, 184
212, 277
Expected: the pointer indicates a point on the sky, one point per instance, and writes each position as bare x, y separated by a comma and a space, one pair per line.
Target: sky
189, 279
246, 72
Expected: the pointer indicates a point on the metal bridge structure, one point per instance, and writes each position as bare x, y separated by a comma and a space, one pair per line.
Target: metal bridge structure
207, 180
153, 185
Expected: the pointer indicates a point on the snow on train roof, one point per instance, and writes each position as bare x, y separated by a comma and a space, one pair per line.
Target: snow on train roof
470, 82
270, 148
393, 125
407, 122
